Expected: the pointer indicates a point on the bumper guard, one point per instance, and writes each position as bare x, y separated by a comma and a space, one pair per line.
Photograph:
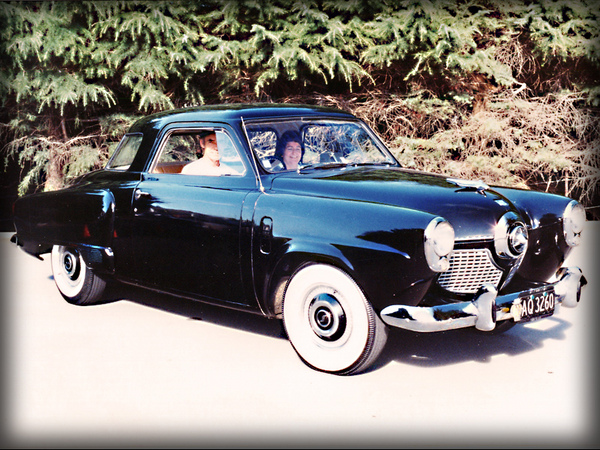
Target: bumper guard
484, 311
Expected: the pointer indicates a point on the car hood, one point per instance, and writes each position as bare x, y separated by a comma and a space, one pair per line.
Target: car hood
473, 209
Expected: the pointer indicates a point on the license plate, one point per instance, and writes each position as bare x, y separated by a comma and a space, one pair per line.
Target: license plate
534, 305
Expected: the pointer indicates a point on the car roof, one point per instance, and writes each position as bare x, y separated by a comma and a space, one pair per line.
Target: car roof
235, 112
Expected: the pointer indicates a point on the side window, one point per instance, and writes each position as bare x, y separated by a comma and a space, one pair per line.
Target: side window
229, 156
178, 150
125, 152
199, 152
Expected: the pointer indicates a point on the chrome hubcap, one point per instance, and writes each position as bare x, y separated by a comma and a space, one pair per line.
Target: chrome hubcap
70, 265
327, 317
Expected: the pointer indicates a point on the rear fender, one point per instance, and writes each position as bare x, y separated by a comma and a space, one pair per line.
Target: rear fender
83, 219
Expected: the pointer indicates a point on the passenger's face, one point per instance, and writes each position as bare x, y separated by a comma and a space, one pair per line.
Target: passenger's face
292, 153
210, 147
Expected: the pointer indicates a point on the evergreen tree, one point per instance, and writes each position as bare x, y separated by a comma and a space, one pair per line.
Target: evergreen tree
77, 74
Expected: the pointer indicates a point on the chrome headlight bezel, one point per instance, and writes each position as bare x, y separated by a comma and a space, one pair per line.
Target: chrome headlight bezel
439, 243
573, 223
510, 236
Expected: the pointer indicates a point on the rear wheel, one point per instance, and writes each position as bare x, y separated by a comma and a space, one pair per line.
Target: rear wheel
75, 281
330, 323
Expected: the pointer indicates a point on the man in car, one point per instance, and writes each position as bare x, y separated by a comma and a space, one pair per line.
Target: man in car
210, 162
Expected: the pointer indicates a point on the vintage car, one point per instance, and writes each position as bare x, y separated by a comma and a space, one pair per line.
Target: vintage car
340, 248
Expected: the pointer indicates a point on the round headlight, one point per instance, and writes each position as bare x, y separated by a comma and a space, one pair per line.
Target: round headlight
517, 238
573, 222
510, 236
439, 242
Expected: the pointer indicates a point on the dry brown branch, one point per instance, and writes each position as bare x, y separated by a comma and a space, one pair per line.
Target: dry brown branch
547, 143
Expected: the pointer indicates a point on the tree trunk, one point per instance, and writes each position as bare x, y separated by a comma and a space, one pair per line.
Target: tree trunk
54, 175
54, 178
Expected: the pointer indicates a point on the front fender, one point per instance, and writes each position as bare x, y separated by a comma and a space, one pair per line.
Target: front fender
290, 258
380, 246
547, 249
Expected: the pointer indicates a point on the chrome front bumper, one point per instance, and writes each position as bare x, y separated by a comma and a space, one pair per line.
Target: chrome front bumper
484, 311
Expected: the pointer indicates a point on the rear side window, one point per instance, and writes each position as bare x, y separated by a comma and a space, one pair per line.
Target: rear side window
125, 152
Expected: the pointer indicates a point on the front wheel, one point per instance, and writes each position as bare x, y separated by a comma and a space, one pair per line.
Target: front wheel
75, 281
330, 323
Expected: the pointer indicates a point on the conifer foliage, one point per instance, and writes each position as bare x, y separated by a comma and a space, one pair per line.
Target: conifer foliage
504, 90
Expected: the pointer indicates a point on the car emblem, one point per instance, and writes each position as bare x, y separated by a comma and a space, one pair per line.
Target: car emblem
477, 185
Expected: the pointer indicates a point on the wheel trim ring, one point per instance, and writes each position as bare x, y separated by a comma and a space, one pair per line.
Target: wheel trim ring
68, 279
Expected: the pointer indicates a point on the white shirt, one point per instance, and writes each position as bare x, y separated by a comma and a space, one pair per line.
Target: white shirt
204, 166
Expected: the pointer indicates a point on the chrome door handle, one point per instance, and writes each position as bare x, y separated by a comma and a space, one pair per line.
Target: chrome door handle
139, 194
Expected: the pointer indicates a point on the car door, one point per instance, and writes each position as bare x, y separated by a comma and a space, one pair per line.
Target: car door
187, 227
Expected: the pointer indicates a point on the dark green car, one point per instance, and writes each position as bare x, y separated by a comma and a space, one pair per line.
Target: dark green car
301, 213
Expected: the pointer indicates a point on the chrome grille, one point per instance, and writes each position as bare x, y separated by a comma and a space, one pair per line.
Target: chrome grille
469, 269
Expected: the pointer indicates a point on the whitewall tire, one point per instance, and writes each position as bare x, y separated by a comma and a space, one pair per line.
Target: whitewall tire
330, 323
74, 280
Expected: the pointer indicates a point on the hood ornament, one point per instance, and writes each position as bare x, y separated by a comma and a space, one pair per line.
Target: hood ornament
476, 185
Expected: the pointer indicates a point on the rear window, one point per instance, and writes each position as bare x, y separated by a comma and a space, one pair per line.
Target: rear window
125, 152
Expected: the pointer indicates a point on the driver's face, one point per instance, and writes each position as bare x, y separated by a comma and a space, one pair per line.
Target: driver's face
211, 150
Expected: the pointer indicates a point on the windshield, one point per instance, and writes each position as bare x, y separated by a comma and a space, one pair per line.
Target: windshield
304, 145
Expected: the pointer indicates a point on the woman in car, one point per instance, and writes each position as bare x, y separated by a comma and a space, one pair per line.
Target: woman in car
290, 149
